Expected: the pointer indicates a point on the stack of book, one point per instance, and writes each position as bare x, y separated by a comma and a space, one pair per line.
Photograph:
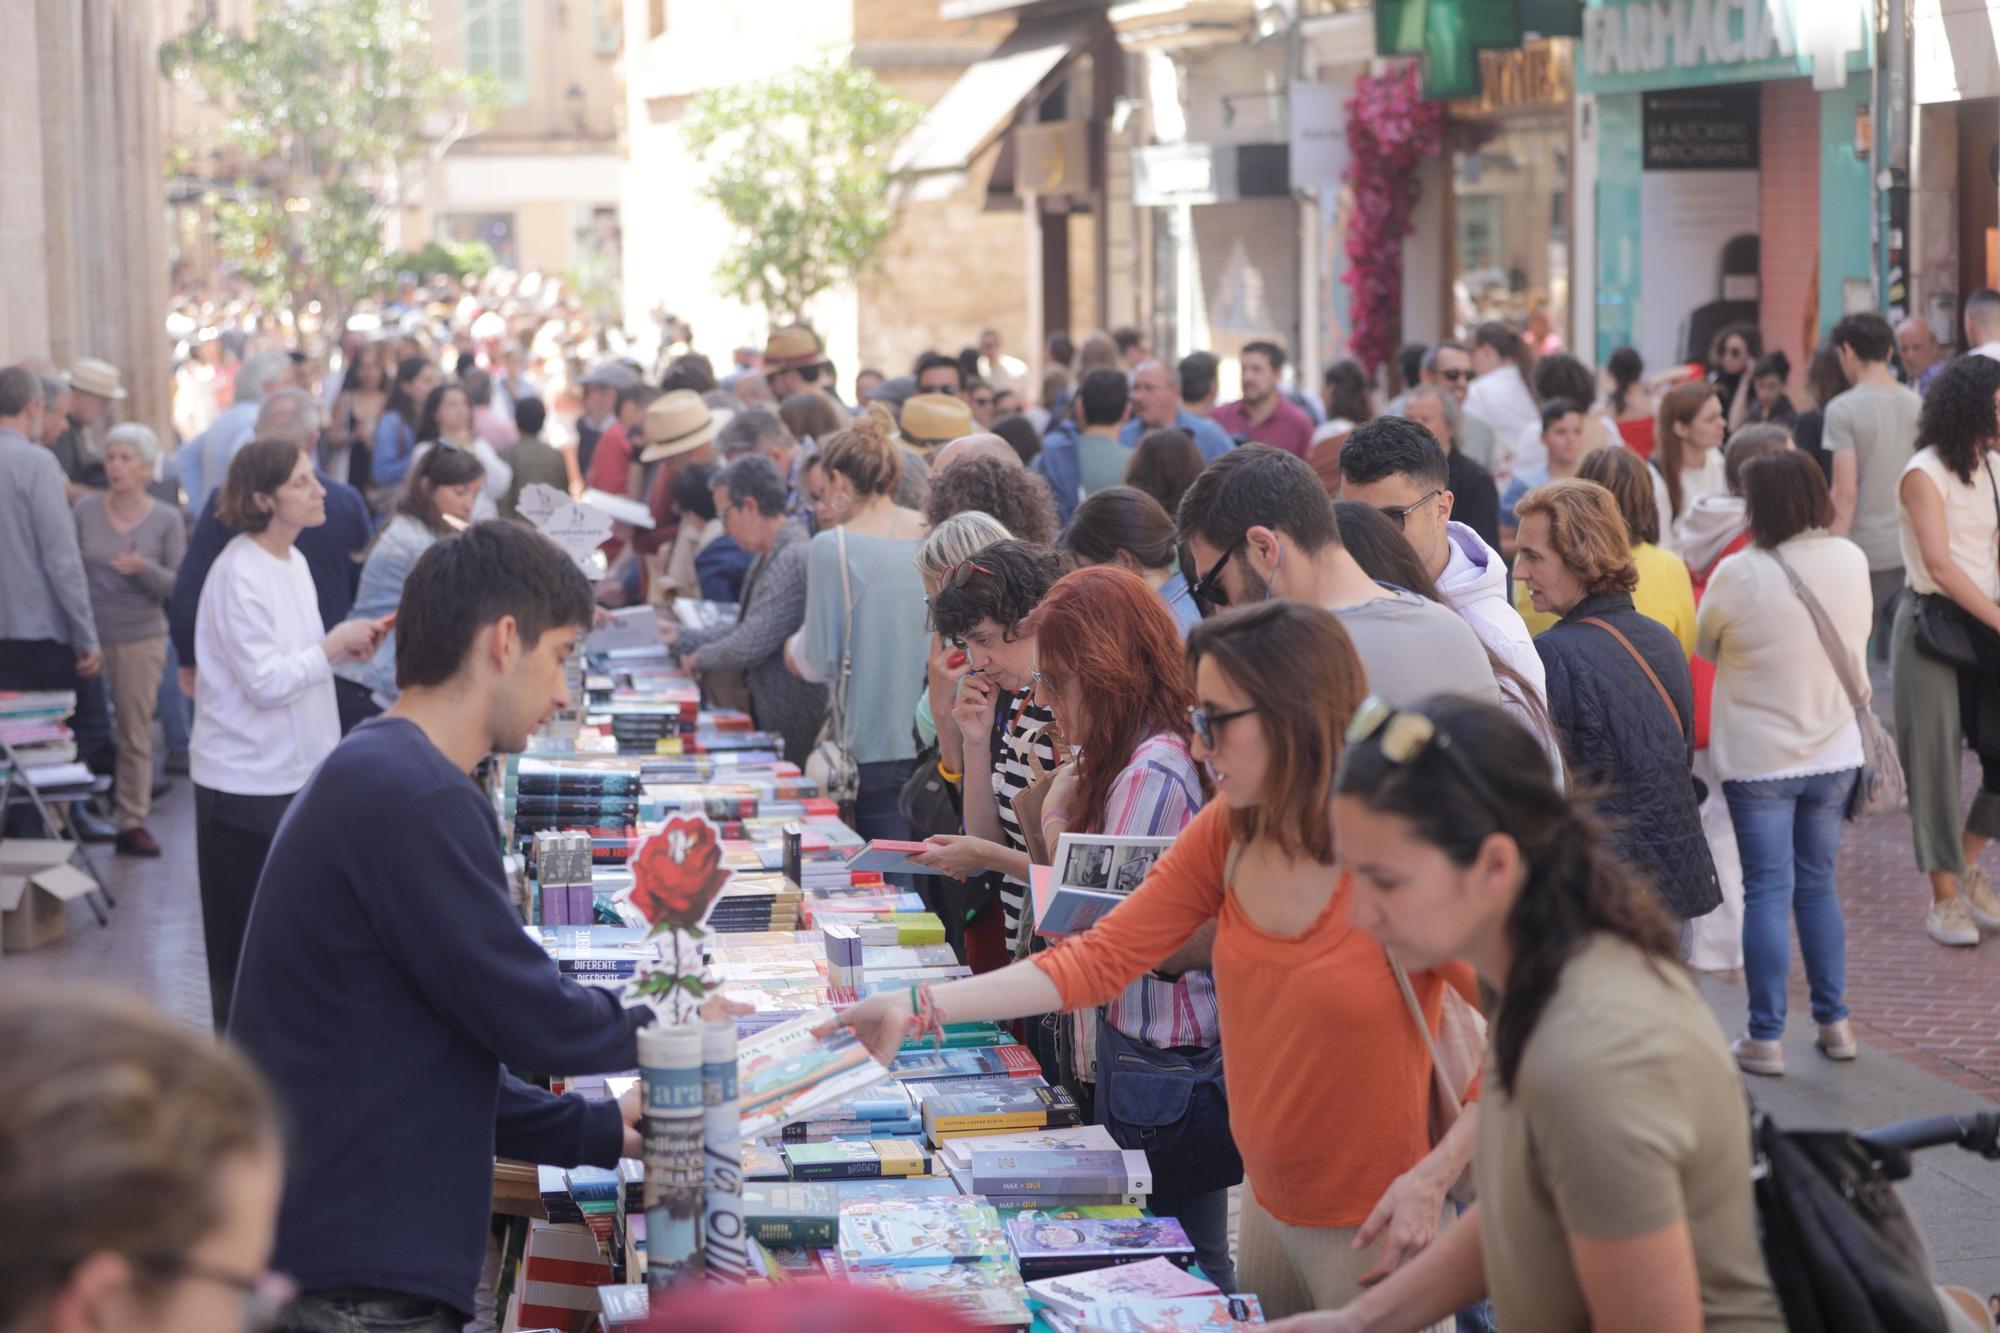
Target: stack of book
34, 725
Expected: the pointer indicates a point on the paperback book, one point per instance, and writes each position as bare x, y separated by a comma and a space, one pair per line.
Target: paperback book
1048, 1247
791, 1214
1186, 1314
786, 1072
951, 1115
958, 1152
920, 1233
1092, 874
860, 1160
988, 1294
934, 1065
1006, 1173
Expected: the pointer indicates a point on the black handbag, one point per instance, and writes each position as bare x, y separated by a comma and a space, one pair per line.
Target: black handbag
1843, 1254
1172, 1105
1944, 628
929, 804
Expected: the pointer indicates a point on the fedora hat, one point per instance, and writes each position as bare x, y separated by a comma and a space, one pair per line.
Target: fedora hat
678, 423
794, 347
936, 418
90, 375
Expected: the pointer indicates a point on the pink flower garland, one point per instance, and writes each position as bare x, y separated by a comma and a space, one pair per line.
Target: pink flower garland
1390, 130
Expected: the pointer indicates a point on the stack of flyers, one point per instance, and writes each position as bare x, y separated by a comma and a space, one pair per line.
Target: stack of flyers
1151, 1280
1185, 1314
1050, 1247
784, 1073
988, 1295
920, 1233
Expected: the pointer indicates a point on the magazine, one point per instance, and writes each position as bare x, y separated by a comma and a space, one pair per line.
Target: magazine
784, 1073
1092, 874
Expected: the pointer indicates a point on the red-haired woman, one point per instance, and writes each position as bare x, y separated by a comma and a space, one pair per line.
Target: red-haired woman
1110, 667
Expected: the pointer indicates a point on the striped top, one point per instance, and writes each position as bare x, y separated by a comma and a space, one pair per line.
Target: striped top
1155, 797
1029, 725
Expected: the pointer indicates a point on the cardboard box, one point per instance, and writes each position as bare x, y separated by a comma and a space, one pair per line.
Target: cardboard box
37, 885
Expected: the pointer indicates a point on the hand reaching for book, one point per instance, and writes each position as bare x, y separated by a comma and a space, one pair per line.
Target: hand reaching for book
879, 1022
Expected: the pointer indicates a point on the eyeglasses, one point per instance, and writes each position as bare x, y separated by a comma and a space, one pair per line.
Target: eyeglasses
1206, 724
1455, 376
265, 1297
1403, 735
1400, 514
1053, 684
1206, 588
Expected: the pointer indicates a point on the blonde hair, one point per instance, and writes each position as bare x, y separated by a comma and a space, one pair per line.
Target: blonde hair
955, 541
113, 1121
866, 453
1587, 532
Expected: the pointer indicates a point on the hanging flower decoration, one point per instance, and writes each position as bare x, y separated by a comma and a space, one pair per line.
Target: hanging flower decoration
677, 874
1390, 131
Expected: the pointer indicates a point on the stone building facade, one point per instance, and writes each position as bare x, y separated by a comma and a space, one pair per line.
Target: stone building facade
83, 267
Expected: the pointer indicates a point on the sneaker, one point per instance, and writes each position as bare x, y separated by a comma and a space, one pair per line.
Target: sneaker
1950, 923
137, 842
1759, 1057
1836, 1041
1975, 890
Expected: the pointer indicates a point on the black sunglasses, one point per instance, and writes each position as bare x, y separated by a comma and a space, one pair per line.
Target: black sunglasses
1206, 588
1400, 514
1206, 724
1455, 376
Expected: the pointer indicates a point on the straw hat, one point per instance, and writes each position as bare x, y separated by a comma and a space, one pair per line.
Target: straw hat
678, 423
794, 347
936, 418
89, 375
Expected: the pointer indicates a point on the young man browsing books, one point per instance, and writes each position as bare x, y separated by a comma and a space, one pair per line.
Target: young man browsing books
386, 984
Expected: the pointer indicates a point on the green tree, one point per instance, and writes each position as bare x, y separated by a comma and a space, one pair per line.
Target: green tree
798, 164
325, 106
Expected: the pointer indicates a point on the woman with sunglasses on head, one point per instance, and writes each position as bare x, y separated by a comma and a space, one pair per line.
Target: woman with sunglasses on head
139, 1171
1329, 1077
1613, 1168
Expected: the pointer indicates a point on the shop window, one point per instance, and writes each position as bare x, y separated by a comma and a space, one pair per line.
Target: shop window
496, 45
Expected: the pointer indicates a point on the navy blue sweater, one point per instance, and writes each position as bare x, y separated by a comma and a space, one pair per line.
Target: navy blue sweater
332, 551
385, 981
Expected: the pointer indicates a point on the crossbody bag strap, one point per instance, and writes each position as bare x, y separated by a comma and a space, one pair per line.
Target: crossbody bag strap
1829, 638
846, 636
1644, 665
1423, 1026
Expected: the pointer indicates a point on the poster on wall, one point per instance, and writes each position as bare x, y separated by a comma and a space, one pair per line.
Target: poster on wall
1698, 196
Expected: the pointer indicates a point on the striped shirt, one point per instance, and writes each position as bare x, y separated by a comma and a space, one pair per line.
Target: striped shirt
1156, 796
1028, 726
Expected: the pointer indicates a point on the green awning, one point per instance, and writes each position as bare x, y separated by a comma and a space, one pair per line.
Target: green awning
1448, 35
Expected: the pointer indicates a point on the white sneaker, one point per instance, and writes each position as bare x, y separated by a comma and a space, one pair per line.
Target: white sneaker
1836, 1041
1975, 890
1755, 1056
1950, 923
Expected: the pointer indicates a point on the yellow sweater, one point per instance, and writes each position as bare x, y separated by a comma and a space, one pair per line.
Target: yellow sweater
1665, 592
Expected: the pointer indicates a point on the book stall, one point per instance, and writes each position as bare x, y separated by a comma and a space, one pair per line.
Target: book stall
665, 849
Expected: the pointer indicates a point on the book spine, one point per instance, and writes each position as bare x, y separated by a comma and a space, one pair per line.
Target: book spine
871, 1170
792, 1232
1058, 1186
728, 1255
670, 1059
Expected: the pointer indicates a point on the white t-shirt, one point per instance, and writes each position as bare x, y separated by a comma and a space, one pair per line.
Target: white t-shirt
264, 707
1971, 524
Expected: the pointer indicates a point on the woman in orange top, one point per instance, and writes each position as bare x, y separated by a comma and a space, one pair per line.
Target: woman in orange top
1329, 1079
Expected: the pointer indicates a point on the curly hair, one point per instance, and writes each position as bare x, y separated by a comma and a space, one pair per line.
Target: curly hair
1020, 499
1587, 533
1002, 583
866, 453
1958, 418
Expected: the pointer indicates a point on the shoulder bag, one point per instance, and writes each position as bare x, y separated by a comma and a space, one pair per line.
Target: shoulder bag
1944, 630
1457, 1050
831, 764
1880, 787
1171, 1104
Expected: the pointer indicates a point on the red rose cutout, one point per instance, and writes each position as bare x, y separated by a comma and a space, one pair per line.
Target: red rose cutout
677, 873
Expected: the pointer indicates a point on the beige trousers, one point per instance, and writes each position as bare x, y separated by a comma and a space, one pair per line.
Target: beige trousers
1292, 1270
132, 675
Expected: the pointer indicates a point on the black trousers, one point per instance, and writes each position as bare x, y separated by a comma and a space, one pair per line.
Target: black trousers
48, 664
232, 837
355, 702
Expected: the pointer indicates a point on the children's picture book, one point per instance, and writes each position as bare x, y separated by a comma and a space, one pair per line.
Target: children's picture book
1047, 1246
988, 1295
920, 1233
1007, 1173
1092, 874
1149, 1279
1186, 1314
784, 1073
862, 1159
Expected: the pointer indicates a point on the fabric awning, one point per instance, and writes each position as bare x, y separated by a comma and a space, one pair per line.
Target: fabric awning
975, 110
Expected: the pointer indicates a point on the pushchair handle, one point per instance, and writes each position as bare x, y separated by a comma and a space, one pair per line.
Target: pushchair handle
1977, 1132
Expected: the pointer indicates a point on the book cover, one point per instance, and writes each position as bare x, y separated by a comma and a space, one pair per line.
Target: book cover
888, 856
786, 1072
622, 1306
1060, 1171
1092, 874
791, 1214
907, 1187
989, 1295
1050, 1246
1149, 1279
958, 1152
1011, 1061
947, 1114
856, 1160
920, 1233
1185, 1314
820, 1131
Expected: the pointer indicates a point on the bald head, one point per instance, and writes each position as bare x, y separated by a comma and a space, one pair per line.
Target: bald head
1917, 346
1982, 317
288, 414
974, 446
1156, 395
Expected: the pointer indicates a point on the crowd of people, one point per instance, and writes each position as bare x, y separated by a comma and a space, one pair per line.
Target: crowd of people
1578, 660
